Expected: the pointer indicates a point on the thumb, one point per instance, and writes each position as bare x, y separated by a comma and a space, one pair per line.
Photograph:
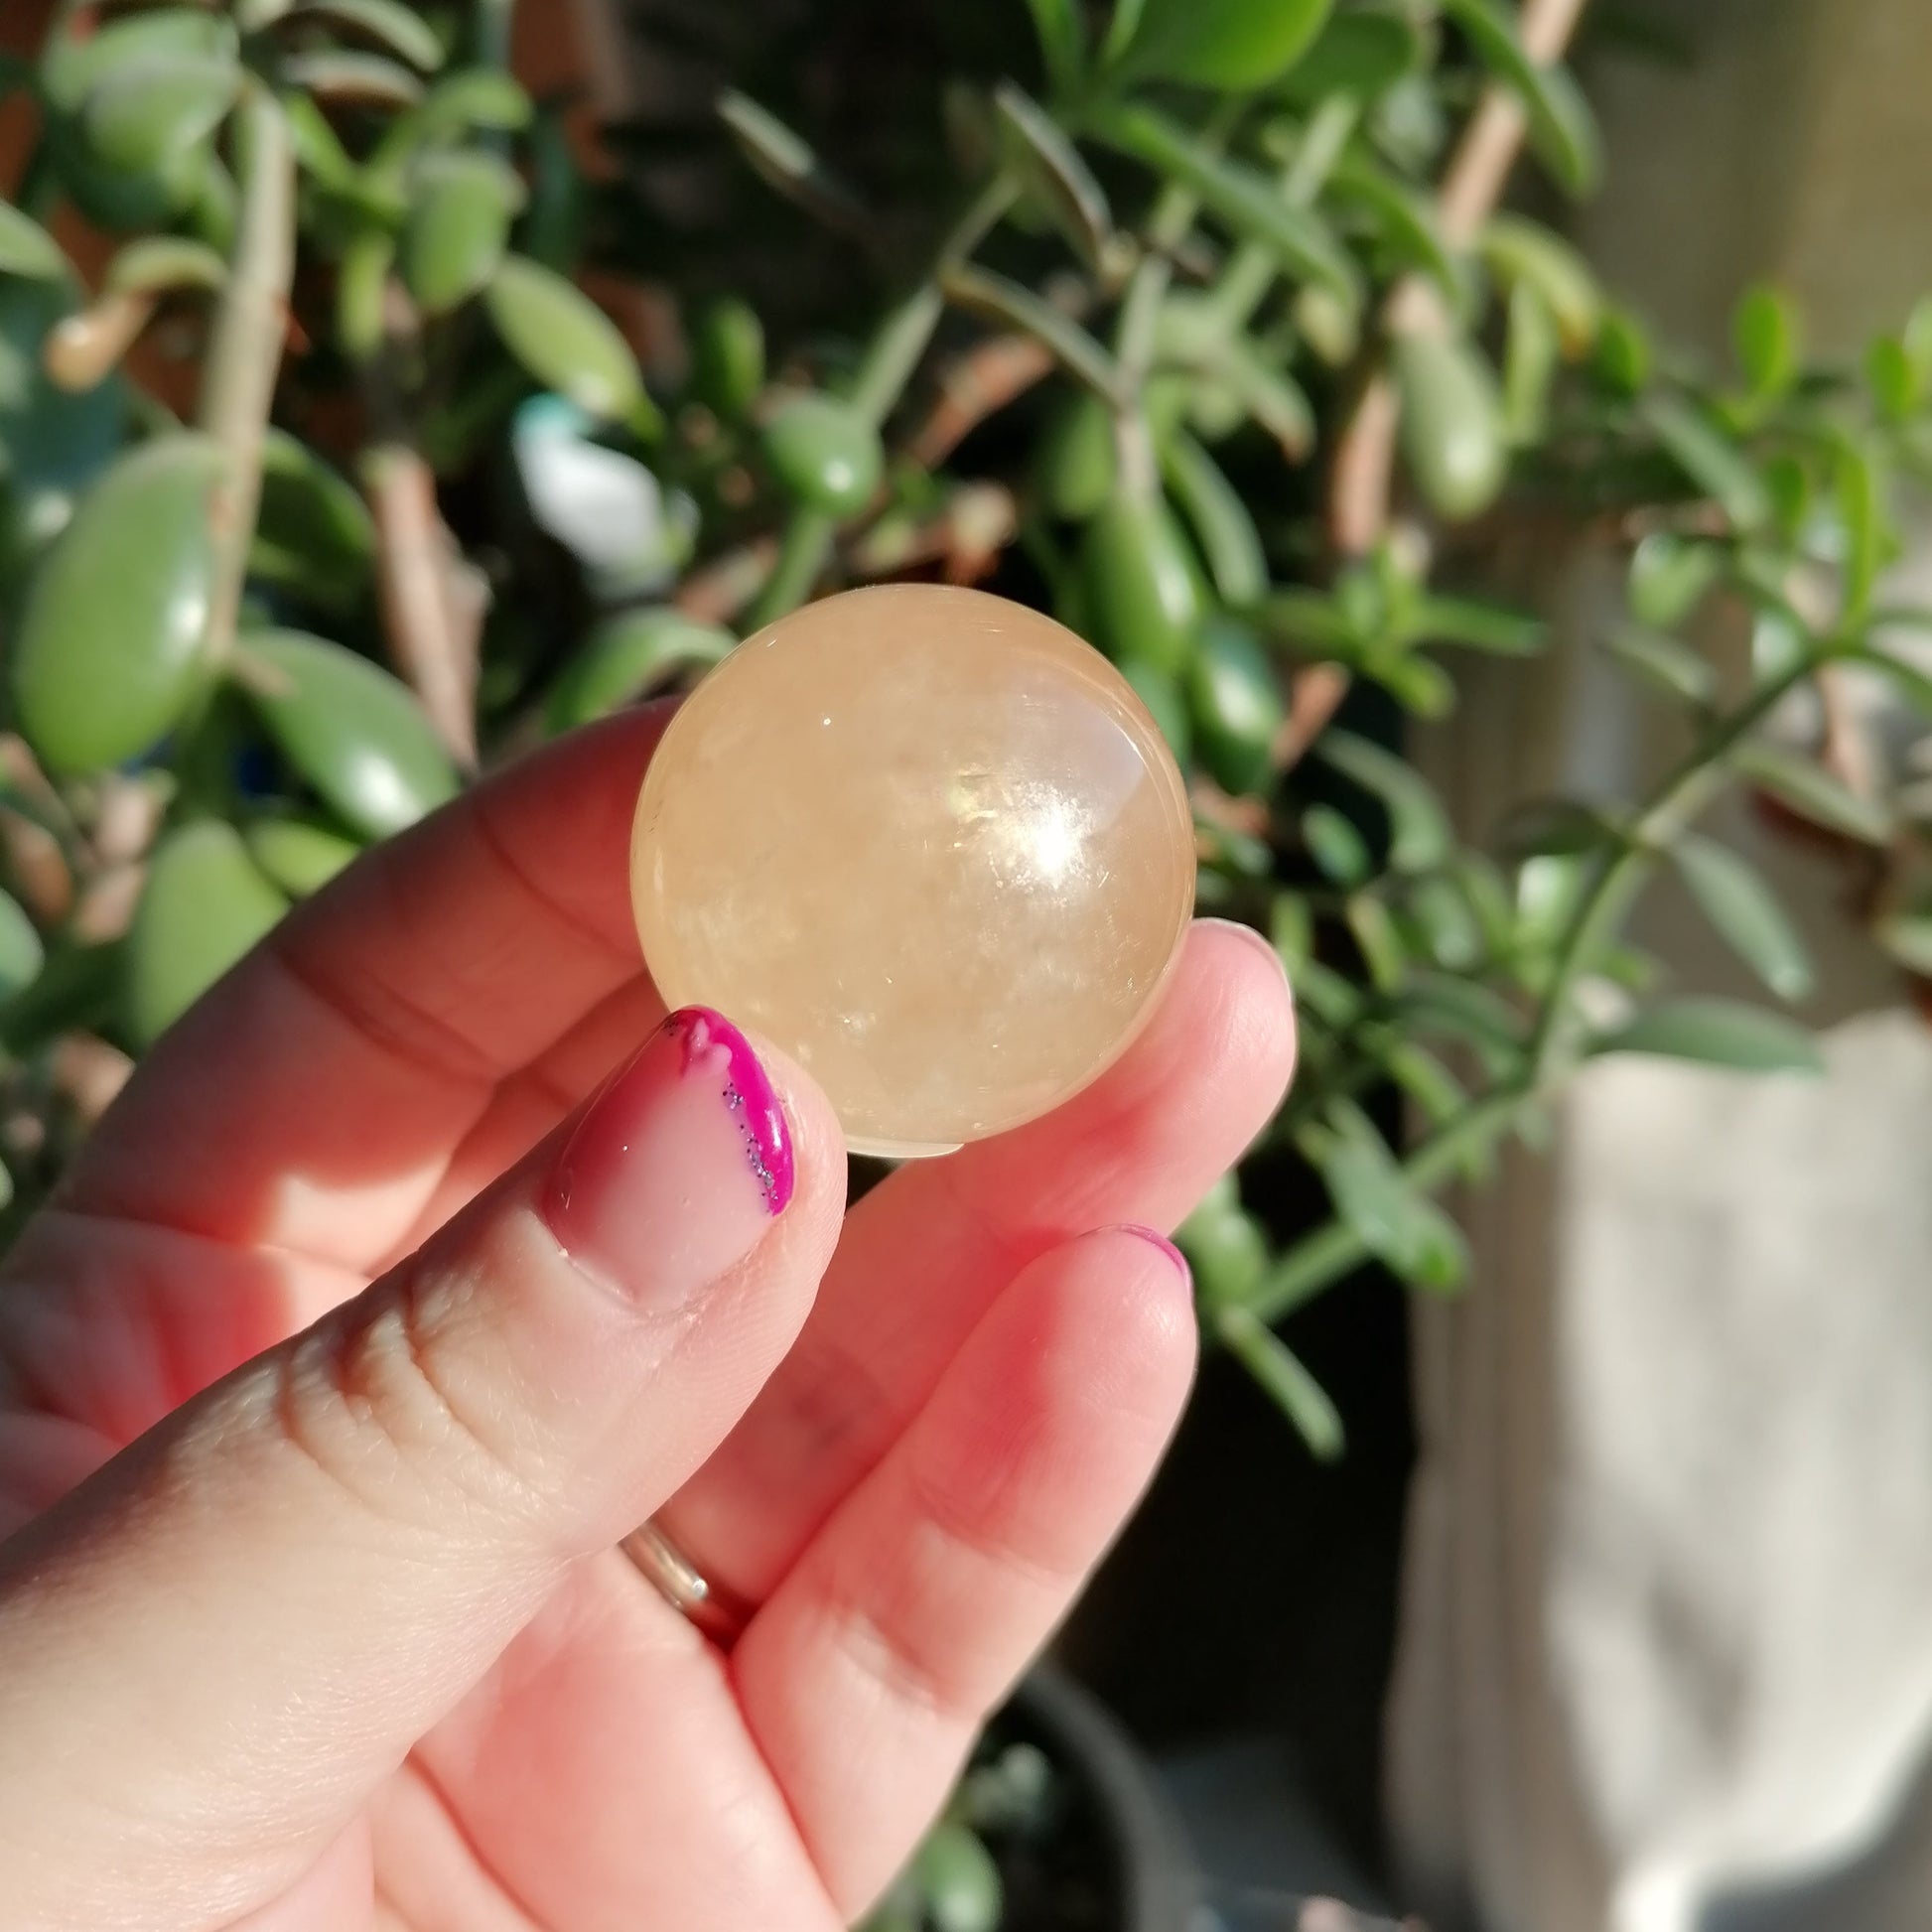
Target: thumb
214, 1650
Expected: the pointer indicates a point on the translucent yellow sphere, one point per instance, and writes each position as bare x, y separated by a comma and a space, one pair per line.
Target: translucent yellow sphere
927, 842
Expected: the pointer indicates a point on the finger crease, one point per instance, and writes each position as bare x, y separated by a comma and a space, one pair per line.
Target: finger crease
965, 1530
573, 921
421, 1039
513, 1900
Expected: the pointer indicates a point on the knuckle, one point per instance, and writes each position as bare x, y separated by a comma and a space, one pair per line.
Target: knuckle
369, 1398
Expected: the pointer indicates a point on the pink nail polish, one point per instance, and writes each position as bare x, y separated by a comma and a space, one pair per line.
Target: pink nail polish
1161, 1242
678, 1166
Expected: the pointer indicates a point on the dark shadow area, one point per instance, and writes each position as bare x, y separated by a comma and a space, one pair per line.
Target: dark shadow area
1254, 1596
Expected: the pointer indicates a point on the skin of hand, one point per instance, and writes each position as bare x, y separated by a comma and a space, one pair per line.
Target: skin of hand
378, 1310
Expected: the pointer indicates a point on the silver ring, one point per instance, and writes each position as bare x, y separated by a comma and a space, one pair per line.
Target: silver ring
715, 1613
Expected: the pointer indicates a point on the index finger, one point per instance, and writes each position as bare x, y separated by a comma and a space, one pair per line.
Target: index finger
312, 1100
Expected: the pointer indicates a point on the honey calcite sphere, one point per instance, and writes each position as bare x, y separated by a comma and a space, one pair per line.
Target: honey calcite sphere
928, 842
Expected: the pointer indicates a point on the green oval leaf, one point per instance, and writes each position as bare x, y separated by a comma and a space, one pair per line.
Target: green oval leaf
459, 224
1668, 576
21, 953
1235, 45
111, 645
825, 453
1764, 333
1063, 40
790, 163
353, 732
1710, 459
313, 533
204, 905
1532, 350
727, 357
1907, 937
1245, 201
1236, 703
1014, 306
955, 1875
27, 249
1896, 383
1813, 794
1624, 357
1335, 846
1053, 168
564, 339
1122, 22
1859, 487
1257, 389
1521, 252
1746, 914
1562, 827
623, 657
1666, 663
1908, 680
1419, 829
1449, 928
151, 117
297, 856
1451, 424
1391, 1218
472, 101
1222, 526
80, 988
1476, 626
1403, 222
1361, 54
83, 51
1717, 1032
1075, 465
1166, 705
398, 29
1284, 1379
1562, 130
360, 284
1143, 587
1225, 1248
158, 265
349, 77
53, 442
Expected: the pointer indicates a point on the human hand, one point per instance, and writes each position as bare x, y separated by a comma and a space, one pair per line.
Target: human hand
358, 1338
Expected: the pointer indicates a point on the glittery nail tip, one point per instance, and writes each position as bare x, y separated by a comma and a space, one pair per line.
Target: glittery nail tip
713, 1047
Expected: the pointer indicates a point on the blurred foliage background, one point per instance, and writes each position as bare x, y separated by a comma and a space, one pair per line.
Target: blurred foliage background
402, 419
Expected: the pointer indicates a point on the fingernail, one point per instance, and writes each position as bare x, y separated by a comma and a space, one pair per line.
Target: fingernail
1161, 1242
1258, 940
678, 1166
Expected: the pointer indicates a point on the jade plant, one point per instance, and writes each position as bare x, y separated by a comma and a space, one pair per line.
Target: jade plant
1202, 323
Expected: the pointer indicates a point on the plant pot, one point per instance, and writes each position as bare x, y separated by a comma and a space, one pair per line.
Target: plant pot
1147, 1878
1119, 1857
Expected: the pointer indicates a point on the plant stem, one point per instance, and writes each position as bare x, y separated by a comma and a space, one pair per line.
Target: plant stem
1140, 309
245, 352
802, 550
495, 21
1320, 1259
1323, 1258
1471, 185
1252, 272
890, 360
902, 337
1136, 326
1678, 800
